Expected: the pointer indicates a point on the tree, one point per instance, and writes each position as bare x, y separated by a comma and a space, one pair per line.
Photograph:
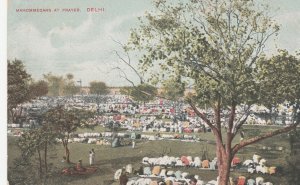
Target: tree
70, 88
141, 93
55, 84
294, 159
33, 144
61, 86
275, 71
35, 141
216, 45
65, 122
17, 86
98, 88
39, 88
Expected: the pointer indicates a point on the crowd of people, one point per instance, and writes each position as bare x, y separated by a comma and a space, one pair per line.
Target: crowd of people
119, 111
120, 106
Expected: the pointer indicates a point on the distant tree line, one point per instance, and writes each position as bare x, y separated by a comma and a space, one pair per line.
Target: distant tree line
21, 87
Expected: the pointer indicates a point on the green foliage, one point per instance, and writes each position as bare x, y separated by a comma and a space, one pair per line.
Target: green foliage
294, 159
17, 85
55, 84
280, 79
173, 89
60, 86
39, 88
141, 93
70, 87
125, 90
280, 76
23, 173
31, 144
35, 139
64, 122
214, 44
98, 88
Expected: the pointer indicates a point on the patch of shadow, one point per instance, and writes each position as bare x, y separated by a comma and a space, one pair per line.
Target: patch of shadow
108, 182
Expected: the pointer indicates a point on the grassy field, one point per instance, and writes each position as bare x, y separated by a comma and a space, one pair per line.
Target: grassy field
108, 159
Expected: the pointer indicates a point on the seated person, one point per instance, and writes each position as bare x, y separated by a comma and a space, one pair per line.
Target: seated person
123, 178
79, 166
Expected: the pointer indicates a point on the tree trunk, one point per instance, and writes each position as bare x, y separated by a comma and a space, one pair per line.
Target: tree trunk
98, 104
67, 153
40, 162
65, 144
174, 109
11, 117
45, 157
270, 116
224, 164
224, 170
21, 112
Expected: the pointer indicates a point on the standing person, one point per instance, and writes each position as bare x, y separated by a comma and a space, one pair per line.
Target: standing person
91, 158
242, 133
133, 137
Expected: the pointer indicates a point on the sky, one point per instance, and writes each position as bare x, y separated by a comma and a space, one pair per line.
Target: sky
82, 43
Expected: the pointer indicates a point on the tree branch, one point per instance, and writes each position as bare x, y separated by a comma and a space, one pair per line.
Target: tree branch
124, 75
217, 132
246, 142
241, 120
201, 115
128, 64
230, 126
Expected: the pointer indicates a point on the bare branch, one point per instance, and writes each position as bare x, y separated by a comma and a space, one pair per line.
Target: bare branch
116, 41
261, 47
124, 75
128, 64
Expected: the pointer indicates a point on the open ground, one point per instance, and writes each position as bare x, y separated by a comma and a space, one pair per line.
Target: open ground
109, 159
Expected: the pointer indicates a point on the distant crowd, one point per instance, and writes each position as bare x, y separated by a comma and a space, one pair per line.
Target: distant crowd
130, 114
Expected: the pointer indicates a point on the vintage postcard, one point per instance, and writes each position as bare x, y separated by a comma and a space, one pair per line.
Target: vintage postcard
152, 92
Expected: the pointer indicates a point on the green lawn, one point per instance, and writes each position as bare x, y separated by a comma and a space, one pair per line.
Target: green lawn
108, 159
